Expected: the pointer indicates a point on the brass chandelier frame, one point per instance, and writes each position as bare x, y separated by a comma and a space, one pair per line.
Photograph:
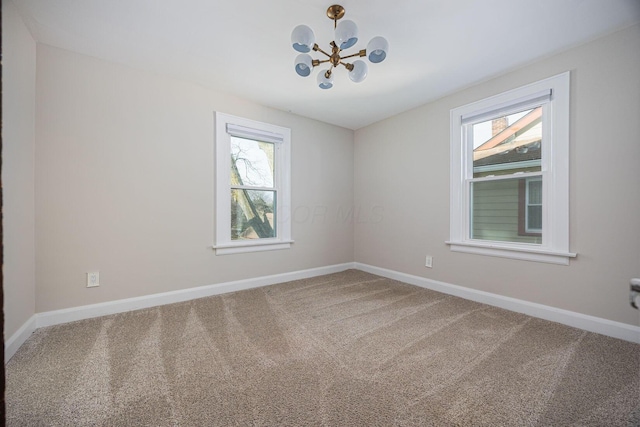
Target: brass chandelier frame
335, 12
345, 37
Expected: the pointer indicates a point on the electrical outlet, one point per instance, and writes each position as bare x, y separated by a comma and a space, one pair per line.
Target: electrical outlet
428, 261
93, 279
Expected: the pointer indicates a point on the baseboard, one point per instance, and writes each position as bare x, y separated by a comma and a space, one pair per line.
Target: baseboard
120, 306
57, 317
19, 337
577, 320
590, 323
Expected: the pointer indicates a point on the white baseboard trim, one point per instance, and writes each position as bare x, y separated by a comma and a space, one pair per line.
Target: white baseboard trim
66, 315
582, 321
577, 320
19, 337
56, 317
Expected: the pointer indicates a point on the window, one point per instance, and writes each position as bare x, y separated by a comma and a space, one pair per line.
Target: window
252, 186
510, 174
530, 207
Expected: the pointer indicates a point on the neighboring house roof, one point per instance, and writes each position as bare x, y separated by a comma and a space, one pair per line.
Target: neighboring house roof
519, 134
519, 142
519, 127
521, 153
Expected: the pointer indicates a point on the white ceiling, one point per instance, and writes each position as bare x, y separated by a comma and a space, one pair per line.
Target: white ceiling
243, 46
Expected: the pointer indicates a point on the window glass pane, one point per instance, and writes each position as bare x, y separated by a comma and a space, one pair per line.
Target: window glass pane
535, 192
251, 162
253, 214
498, 213
534, 219
534, 205
508, 144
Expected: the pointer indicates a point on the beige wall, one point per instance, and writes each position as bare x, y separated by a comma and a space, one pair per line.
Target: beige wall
18, 146
125, 179
124, 184
402, 167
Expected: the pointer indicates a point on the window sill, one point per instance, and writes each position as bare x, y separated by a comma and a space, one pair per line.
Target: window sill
251, 246
505, 250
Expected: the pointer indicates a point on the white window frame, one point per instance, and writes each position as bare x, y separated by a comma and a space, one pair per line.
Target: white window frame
227, 126
553, 94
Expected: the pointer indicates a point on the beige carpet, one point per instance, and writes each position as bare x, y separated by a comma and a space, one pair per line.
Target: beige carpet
347, 349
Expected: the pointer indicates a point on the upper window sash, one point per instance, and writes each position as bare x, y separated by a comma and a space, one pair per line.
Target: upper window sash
546, 142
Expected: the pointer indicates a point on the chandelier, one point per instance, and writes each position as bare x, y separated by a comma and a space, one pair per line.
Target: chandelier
345, 36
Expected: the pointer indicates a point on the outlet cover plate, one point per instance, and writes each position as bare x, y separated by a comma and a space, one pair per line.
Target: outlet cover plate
93, 279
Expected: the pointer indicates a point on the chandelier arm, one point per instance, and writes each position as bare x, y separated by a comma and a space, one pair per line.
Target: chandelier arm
329, 71
363, 52
317, 49
317, 62
347, 65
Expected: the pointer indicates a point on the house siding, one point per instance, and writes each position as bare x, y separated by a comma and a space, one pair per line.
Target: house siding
495, 212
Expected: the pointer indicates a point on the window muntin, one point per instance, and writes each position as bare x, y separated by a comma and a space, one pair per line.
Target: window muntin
545, 210
252, 186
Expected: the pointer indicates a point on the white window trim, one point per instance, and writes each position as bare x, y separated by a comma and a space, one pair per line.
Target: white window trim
227, 125
555, 216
